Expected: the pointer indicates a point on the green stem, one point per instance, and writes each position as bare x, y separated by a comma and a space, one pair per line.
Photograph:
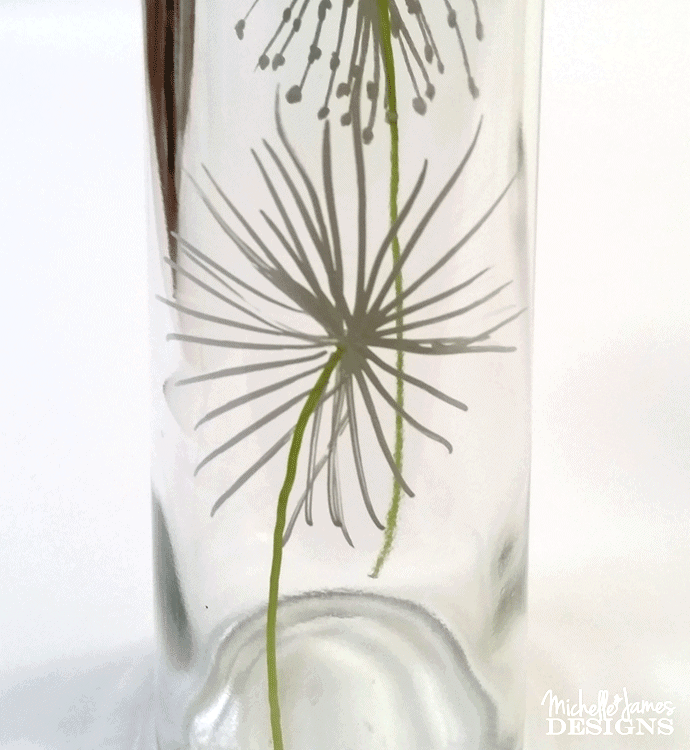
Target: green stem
389, 68
281, 514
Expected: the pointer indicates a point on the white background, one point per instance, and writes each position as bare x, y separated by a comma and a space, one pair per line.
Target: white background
609, 560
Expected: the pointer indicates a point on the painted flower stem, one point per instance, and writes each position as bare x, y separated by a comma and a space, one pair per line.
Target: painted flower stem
281, 514
389, 69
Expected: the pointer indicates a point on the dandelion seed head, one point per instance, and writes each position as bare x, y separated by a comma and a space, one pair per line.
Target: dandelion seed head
350, 36
367, 322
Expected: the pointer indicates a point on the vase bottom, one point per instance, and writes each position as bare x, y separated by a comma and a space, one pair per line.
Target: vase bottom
356, 671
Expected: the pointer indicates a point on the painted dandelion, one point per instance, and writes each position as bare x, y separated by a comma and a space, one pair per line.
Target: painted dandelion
344, 357
326, 287
348, 38
354, 331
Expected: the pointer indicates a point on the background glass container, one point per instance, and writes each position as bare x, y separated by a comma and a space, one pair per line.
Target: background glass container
354, 185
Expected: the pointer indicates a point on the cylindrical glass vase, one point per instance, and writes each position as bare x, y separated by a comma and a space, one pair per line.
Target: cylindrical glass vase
341, 279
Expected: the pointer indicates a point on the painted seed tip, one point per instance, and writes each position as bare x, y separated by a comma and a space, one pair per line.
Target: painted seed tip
278, 60
239, 29
346, 119
419, 105
367, 135
479, 30
430, 91
473, 88
294, 94
263, 62
428, 53
323, 113
342, 90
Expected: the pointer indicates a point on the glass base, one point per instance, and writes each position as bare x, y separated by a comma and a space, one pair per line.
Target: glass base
355, 671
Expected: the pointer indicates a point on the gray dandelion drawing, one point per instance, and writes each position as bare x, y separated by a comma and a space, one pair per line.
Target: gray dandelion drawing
359, 23
360, 320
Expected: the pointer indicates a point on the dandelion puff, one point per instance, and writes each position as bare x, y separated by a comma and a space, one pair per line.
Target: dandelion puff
348, 41
360, 321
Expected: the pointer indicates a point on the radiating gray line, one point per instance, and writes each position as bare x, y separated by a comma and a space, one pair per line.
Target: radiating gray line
203, 285
436, 346
317, 470
357, 454
415, 381
414, 52
439, 264
373, 92
231, 323
245, 369
332, 212
318, 242
361, 177
445, 316
494, 349
313, 444
252, 470
285, 19
397, 267
322, 309
258, 425
388, 313
297, 254
337, 486
294, 93
415, 9
334, 275
331, 488
418, 103
453, 23
247, 397
391, 234
485, 334
479, 28
279, 58
345, 88
404, 414
204, 267
260, 264
439, 63
284, 242
191, 250
335, 60
364, 390
339, 502
276, 274
242, 246
245, 17
241, 344
311, 190
252, 428
286, 330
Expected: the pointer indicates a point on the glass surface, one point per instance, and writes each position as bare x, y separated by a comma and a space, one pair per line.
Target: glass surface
341, 298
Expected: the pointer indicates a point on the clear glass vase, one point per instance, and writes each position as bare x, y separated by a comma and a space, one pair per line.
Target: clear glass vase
341, 281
